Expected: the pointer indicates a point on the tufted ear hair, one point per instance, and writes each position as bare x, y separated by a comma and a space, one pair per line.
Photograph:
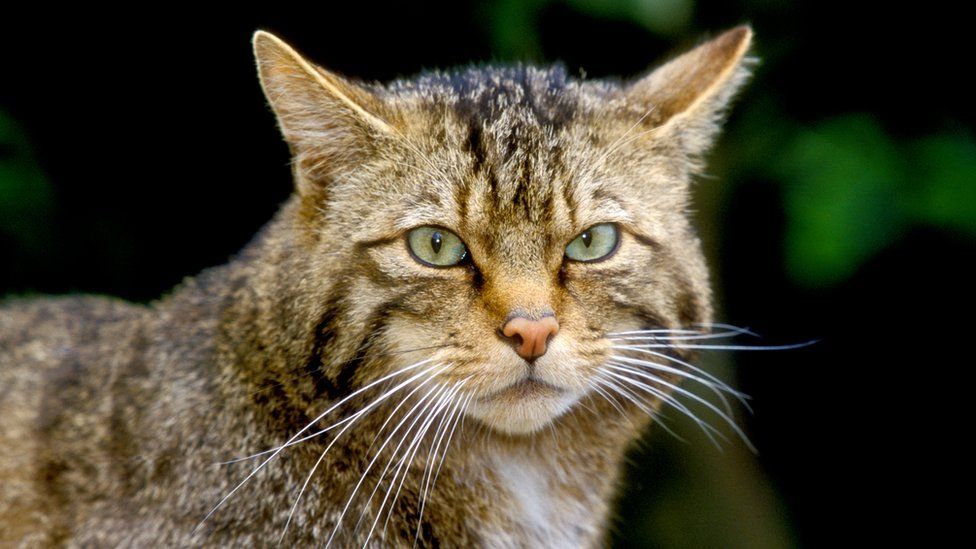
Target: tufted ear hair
687, 97
328, 121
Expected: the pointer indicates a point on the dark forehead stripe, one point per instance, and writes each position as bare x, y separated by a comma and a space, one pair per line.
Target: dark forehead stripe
481, 96
508, 112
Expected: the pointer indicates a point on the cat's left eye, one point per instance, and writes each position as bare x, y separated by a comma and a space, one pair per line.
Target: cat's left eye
436, 246
595, 243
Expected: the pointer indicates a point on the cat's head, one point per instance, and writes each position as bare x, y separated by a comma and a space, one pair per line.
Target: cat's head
489, 228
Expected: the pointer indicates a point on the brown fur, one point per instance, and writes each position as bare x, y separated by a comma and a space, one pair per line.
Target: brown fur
113, 416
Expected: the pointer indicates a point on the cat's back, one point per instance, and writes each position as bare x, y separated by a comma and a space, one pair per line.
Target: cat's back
57, 357
39, 336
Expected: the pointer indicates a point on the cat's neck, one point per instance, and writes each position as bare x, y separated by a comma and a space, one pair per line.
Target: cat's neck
554, 486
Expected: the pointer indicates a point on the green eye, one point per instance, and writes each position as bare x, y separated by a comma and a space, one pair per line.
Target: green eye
436, 246
597, 242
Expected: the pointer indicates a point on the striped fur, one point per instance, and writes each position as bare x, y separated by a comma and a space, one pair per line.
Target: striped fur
114, 417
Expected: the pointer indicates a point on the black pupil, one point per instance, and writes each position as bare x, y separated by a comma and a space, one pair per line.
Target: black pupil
435, 242
587, 238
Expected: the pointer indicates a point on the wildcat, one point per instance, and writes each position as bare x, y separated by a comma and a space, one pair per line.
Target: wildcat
481, 290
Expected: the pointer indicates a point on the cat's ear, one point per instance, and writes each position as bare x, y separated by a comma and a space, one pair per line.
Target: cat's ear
328, 121
685, 98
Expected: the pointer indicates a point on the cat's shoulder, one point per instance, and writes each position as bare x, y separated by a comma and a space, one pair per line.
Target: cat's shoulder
39, 334
24, 319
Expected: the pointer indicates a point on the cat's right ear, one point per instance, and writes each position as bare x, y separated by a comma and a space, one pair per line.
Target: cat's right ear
329, 122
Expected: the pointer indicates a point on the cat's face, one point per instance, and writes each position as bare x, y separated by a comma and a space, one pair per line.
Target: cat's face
495, 225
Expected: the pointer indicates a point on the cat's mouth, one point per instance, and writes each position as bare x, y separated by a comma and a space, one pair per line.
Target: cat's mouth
522, 407
527, 387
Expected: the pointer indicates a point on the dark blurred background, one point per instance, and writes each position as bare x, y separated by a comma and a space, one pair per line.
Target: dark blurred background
136, 149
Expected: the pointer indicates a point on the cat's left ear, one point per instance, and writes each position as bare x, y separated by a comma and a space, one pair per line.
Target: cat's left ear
329, 122
685, 98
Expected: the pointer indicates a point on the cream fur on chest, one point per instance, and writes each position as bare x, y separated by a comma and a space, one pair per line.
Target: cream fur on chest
542, 510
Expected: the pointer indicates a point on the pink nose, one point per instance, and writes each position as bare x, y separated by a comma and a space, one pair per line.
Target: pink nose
531, 336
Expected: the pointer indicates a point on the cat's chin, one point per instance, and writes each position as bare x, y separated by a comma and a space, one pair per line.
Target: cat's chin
523, 408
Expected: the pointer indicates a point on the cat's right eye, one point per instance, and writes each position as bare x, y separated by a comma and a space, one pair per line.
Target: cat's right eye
436, 246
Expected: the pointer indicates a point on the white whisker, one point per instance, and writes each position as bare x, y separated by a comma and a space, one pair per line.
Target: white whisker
669, 335
408, 458
705, 426
447, 446
689, 337
431, 397
724, 347
726, 326
635, 399
327, 448
693, 396
380, 451
435, 450
296, 435
718, 388
729, 331
709, 380
658, 331
613, 402
292, 441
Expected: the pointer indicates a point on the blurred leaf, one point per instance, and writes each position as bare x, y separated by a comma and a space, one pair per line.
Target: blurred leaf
25, 195
665, 17
850, 190
946, 175
514, 28
842, 182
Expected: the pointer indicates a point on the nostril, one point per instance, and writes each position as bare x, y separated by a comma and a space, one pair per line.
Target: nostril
530, 337
512, 336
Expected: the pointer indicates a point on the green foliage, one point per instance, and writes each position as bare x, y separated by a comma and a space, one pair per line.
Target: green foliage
666, 17
515, 28
25, 195
850, 190
944, 168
